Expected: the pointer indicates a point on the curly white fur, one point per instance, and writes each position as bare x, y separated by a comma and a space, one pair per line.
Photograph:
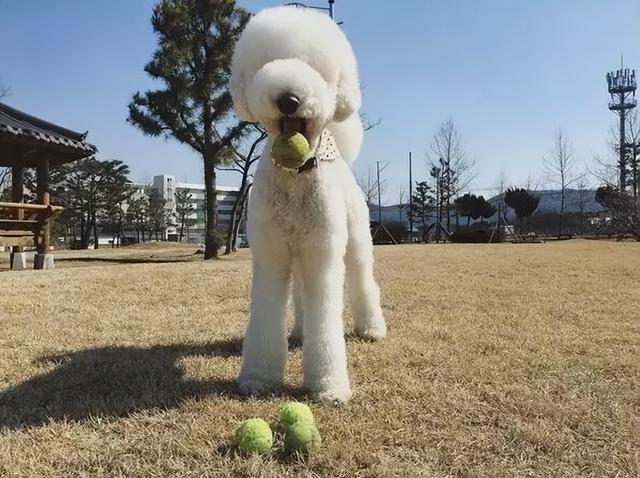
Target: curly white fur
308, 225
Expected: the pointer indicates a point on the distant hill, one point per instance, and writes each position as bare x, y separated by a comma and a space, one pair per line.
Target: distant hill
550, 200
549, 203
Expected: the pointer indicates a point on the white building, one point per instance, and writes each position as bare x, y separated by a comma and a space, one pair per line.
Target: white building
168, 186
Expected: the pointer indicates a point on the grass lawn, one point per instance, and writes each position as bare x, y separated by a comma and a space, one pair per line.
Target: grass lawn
501, 360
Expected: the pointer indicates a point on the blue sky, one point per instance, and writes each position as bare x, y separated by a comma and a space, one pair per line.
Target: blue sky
508, 72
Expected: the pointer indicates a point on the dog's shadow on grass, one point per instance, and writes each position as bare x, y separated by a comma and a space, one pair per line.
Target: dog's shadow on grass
113, 382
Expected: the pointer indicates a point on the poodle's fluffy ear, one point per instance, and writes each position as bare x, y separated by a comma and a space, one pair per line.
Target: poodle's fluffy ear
348, 137
237, 85
348, 97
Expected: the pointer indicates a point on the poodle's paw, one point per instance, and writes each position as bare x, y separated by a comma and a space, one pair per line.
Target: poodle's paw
331, 392
375, 329
254, 384
335, 395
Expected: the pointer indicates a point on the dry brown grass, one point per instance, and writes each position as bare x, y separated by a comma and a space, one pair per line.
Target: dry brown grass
502, 360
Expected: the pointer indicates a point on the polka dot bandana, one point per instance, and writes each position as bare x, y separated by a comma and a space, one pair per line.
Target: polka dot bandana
327, 150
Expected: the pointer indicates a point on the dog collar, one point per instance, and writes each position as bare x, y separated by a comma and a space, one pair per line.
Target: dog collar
327, 150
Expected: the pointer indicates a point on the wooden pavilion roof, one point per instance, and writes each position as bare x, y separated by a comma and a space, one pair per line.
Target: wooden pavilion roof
26, 140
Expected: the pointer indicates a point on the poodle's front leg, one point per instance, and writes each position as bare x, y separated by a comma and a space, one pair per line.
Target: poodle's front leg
368, 319
324, 352
298, 308
264, 350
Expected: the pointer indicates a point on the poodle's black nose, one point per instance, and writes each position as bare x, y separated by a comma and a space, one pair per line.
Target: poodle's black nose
288, 104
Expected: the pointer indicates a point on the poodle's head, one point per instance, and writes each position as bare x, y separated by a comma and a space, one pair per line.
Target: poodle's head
294, 70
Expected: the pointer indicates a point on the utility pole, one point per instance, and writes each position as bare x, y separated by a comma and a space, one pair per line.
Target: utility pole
622, 88
410, 201
379, 194
381, 226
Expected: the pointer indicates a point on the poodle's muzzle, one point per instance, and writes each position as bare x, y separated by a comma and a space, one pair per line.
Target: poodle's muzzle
288, 95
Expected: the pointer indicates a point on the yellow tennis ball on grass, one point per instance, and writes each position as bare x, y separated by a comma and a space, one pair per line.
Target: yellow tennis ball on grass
303, 438
290, 150
254, 436
295, 412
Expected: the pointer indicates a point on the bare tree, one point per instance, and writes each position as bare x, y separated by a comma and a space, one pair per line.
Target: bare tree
501, 182
5, 180
367, 123
532, 183
369, 185
5, 173
582, 199
4, 91
448, 153
243, 163
604, 170
560, 170
402, 195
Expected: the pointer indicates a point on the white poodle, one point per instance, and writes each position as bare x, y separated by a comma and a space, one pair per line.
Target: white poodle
294, 69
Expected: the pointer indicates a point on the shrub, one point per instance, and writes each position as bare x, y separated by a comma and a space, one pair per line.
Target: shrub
474, 237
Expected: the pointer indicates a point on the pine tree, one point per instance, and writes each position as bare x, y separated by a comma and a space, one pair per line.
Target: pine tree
523, 202
157, 214
196, 41
137, 214
422, 205
87, 190
466, 206
485, 209
184, 209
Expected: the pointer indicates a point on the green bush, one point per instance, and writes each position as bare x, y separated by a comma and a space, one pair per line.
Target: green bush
474, 237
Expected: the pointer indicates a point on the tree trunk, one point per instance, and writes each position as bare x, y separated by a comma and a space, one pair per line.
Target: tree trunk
561, 213
228, 248
94, 226
181, 229
82, 227
210, 240
231, 230
86, 233
243, 208
236, 230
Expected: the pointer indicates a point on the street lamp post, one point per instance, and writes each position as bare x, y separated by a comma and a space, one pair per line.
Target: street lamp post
328, 9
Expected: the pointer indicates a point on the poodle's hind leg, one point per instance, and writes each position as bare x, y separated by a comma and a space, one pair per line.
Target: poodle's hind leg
324, 354
298, 309
364, 293
264, 350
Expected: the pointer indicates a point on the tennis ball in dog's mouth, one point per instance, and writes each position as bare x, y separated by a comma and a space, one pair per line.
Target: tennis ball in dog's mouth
303, 438
254, 436
295, 412
290, 150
